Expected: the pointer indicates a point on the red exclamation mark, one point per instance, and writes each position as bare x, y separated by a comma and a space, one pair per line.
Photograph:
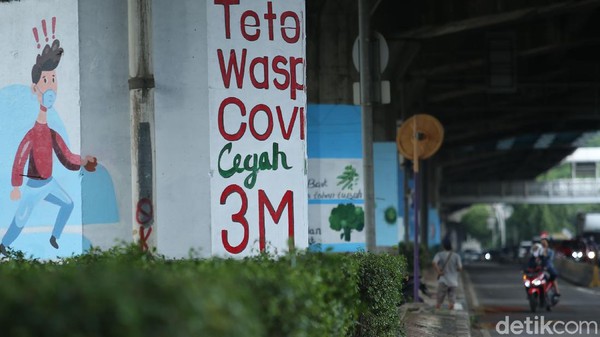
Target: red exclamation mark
53, 27
37, 38
45, 29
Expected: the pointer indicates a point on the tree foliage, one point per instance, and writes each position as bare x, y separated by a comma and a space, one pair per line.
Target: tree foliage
594, 141
475, 222
562, 171
528, 221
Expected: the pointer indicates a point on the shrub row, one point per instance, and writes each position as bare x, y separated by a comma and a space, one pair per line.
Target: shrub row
123, 292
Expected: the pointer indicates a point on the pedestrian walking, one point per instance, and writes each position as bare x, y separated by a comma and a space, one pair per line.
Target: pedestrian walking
447, 265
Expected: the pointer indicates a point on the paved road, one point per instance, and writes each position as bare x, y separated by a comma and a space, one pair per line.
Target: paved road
499, 296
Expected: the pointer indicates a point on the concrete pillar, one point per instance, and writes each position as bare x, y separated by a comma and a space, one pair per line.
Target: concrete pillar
141, 90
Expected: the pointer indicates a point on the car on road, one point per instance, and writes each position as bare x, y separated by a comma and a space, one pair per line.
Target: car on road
470, 255
524, 248
491, 255
575, 249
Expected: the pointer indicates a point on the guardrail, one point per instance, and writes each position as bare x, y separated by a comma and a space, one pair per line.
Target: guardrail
578, 273
563, 191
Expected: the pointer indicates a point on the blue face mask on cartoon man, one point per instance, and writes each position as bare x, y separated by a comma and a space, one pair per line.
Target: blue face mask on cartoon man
48, 98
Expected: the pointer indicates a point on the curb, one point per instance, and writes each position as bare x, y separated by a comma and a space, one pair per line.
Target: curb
470, 295
575, 272
418, 317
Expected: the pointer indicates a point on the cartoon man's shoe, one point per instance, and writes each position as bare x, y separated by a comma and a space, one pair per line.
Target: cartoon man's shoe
53, 242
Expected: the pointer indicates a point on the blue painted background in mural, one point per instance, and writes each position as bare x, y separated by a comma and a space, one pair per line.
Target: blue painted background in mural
435, 225
334, 131
385, 165
18, 112
98, 197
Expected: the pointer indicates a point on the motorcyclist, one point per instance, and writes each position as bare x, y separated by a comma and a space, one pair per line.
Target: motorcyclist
548, 254
537, 261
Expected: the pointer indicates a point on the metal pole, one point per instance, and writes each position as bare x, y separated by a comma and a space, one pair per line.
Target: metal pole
405, 168
424, 203
367, 121
406, 192
141, 93
416, 244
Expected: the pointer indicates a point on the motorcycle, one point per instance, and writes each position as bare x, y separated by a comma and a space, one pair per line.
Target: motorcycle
408, 287
540, 290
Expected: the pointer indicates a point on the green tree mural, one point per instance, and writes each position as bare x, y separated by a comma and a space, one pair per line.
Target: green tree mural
346, 218
348, 178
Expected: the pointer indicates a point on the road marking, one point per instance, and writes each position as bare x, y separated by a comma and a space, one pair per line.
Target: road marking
587, 291
499, 286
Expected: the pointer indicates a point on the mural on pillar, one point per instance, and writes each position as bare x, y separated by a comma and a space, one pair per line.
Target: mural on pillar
389, 215
335, 178
42, 178
434, 224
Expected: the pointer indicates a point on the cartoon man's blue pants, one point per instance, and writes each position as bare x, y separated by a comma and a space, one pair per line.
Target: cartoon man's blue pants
34, 192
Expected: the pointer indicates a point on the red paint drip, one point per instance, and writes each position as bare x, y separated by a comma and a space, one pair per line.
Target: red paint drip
45, 29
36, 36
53, 27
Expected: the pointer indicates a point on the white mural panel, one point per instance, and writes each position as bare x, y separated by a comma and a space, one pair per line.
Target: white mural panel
40, 162
257, 108
335, 193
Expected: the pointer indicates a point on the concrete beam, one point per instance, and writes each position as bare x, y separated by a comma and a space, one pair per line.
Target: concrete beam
486, 21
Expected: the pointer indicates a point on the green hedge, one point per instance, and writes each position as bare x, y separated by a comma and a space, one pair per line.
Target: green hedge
380, 287
407, 250
123, 292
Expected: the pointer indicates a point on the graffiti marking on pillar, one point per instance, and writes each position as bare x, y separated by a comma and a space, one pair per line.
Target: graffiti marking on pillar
144, 212
144, 237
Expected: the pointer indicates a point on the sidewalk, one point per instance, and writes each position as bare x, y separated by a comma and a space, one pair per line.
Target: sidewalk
423, 320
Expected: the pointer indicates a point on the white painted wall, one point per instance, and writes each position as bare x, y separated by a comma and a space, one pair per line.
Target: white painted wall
182, 127
19, 110
93, 101
189, 90
19, 49
257, 204
105, 126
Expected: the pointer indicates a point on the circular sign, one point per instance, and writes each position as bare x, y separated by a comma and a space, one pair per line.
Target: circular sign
419, 137
144, 212
384, 52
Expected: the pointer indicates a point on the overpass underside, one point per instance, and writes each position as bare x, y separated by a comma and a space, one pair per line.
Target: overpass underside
515, 84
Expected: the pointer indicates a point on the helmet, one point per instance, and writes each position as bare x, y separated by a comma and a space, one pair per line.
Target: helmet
536, 250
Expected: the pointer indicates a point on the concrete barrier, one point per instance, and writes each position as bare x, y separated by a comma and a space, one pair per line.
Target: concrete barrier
579, 273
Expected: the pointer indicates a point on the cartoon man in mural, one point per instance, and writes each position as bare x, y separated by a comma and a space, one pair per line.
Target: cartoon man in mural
36, 150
